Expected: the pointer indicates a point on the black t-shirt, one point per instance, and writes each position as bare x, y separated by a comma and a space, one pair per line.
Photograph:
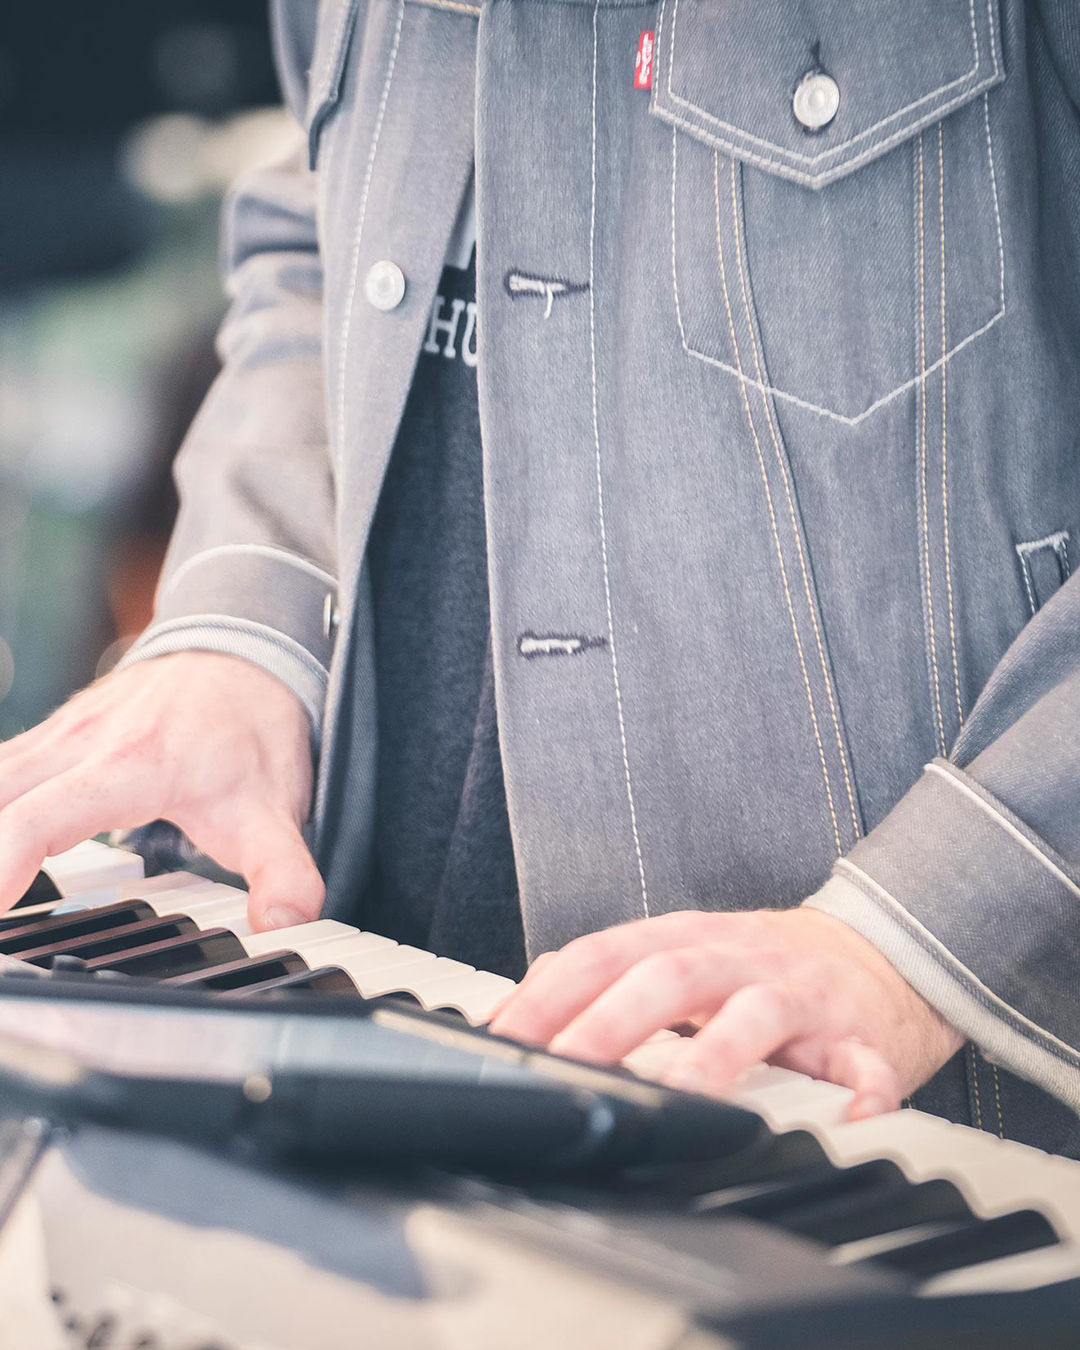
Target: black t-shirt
443, 873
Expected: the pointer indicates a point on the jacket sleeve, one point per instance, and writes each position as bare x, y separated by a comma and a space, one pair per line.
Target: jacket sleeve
971, 885
251, 566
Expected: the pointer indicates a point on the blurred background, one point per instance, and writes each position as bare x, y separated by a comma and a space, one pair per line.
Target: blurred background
121, 126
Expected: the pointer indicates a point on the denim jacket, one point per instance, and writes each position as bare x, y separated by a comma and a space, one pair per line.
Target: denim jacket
779, 374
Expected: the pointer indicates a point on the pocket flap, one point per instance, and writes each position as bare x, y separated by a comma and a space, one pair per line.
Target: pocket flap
727, 72
337, 18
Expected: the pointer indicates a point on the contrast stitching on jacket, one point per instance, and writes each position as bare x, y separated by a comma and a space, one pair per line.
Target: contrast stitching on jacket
524, 284
769, 501
448, 4
924, 512
1059, 542
1025, 572
354, 261
232, 621
257, 550
997, 1098
947, 961
916, 381
837, 150
600, 479
1003, 821
973, 1075
945, 438
532, 645
792, 514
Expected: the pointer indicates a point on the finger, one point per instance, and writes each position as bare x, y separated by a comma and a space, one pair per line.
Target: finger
284, 883
753, 1025
542, 959
18, 745
869, 1075
61, 813
662, 989
29, 768
553, 994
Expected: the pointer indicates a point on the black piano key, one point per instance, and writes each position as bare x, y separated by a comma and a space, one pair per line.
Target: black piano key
248, 970
960, 1245
36, 932
886, 1207
42, 889
325, 980
171, 954
780, 1196
111, 940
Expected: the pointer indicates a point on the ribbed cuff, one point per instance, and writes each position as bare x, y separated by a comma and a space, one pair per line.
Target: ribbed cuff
275, 652
979, 916
267, 588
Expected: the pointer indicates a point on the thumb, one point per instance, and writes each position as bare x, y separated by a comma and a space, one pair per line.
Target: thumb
284, 884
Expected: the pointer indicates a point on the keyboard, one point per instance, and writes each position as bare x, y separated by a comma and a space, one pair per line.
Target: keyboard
950, 1210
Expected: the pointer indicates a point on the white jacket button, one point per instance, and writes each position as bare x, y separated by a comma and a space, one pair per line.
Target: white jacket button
384, 285
817, 100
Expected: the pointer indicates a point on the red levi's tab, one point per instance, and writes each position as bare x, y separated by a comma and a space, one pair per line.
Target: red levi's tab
643, 65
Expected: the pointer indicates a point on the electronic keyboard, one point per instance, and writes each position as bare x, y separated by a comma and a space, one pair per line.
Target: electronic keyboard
941, 1208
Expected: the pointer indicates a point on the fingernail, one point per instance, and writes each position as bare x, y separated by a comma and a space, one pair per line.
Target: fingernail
281, 916
686, 1078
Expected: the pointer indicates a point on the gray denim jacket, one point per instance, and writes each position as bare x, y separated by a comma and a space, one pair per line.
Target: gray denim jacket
780, 451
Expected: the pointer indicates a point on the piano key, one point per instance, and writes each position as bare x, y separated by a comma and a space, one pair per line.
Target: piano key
1024, 1270
922, 1253
243, 972
201, 907
788, 1105
133, 889
114, 940
927, 1147
325, 980
173, 954
475, 996
91, 865
887, 1205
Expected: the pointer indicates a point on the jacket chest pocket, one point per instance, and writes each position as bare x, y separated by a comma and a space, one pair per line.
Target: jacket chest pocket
835, 220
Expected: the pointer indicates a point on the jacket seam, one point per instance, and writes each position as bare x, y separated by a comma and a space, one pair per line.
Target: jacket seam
354, 262
268, 551
1005, 824
916, 381
600, 485
837, 150
948, 962
785, 477
761, 465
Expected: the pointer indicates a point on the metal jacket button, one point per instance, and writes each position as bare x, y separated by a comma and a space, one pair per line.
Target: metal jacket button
817, 100
384, 285
331, 615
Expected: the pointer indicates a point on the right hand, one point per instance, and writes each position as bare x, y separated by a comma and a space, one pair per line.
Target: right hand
210, 742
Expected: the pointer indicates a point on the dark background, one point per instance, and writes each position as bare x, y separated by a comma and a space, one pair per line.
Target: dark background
120, 126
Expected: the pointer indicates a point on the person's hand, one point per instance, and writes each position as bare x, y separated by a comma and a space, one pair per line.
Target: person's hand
796, 988
213, 743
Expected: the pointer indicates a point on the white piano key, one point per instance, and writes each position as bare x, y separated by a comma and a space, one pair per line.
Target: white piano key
405, 977
91, 866
475, 995
308, 938
136, 888
787, 1105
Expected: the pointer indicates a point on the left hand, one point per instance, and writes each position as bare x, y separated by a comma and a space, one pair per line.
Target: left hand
796, 988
